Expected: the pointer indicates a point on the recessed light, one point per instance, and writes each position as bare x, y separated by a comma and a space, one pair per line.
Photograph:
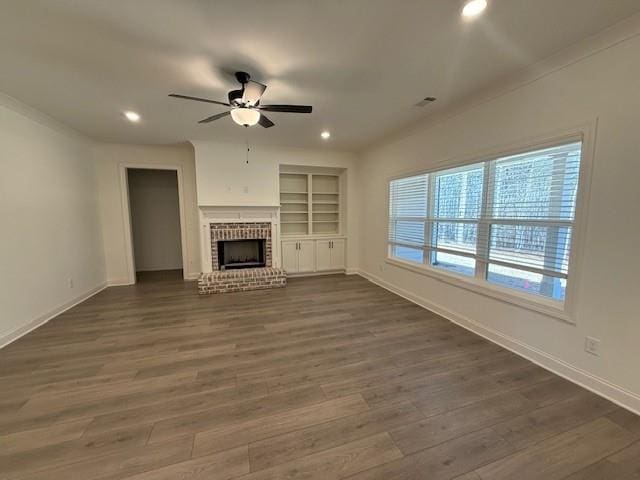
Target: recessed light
474, 8
325, 134
132, 116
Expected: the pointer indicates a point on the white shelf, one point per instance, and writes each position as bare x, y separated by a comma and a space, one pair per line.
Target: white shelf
315, 200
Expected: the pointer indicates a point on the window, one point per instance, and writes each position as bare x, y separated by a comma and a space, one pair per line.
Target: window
506, 222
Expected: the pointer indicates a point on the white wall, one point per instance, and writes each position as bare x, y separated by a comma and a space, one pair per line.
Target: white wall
49, 217
603, 86
109, 159
155, 219
225, 179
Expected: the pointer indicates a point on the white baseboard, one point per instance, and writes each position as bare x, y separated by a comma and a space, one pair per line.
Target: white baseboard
598, 385
42, 319
121, 282
315, 274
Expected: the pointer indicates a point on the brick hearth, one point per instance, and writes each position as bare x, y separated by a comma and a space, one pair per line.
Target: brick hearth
241, 280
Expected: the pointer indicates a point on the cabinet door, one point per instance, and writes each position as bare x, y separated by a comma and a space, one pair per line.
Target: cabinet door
337, 254
306, 256
323, 255
290, 257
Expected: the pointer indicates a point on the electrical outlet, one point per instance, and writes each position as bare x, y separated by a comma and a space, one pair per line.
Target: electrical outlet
592, 346
70, 282
245, 189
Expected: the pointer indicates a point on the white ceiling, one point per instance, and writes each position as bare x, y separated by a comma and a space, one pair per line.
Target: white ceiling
362, 64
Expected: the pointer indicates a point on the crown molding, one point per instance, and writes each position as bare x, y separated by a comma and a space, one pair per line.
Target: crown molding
612, 36
42, 118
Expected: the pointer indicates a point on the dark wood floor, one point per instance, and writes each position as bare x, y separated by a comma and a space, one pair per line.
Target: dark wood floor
329, 378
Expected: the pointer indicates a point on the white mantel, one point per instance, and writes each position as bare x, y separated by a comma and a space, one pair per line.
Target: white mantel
243, 213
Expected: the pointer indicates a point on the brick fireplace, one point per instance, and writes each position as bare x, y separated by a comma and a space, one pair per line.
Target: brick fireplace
241, 273
240, 231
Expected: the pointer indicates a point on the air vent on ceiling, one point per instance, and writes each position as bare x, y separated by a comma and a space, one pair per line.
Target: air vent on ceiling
425, 101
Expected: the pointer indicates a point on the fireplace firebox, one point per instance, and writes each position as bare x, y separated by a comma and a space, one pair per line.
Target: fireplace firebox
234, 254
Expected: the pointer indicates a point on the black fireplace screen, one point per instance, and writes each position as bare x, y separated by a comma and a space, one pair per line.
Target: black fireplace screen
241, 254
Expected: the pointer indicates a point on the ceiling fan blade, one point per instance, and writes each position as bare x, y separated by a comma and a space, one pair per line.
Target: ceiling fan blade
214, 117
252, 92
197, 99
286, 108
265, 122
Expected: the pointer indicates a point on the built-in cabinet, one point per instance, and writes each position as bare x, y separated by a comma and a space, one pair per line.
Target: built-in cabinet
330, 254
314, 255
298, 256
311, 215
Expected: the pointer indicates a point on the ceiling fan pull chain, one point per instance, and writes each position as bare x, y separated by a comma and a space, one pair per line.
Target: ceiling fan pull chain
246, 141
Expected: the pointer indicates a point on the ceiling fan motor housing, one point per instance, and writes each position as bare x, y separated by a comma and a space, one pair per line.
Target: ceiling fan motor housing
235, 97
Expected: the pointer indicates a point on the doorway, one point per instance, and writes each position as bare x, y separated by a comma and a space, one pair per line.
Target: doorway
156, 234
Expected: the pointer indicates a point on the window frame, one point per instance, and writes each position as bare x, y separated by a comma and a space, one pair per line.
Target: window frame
562, 310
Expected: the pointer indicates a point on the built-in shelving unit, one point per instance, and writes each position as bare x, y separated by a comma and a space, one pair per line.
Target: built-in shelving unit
309, 204
325, 199
294, 203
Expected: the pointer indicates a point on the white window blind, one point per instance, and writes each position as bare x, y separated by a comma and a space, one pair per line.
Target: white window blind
506, 221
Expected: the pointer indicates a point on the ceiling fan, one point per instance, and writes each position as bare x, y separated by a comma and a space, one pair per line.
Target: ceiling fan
245, 104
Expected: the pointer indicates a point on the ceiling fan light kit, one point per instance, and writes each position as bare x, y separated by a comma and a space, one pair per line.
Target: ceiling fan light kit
246, 117
245, 104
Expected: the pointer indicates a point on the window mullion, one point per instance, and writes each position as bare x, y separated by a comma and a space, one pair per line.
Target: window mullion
552, 251
428, 225
484, 227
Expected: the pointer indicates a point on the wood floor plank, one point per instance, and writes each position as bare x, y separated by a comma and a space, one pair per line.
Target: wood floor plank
336, 463
445, 461
330, 377
32, 439
176, 406
248, 431
440, 428
530, 428
117, 465
561, 455
622, 465
219, 466
287, 447
626, 419
225, 415
72, 451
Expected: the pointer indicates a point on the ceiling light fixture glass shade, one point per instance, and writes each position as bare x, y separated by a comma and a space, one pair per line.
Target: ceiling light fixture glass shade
245, 116
474, 7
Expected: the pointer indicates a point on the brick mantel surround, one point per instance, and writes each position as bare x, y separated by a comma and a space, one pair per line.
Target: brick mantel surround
241, 223
240, 231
